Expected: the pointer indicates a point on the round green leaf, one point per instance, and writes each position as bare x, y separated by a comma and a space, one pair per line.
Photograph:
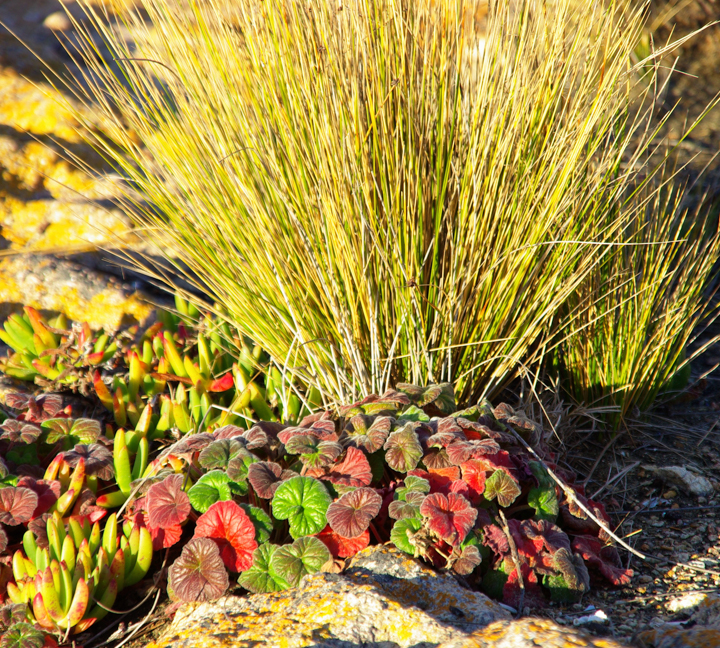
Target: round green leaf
304, 556
502, 486
210, 488
258, 578
402, 532
261, 521
303, 501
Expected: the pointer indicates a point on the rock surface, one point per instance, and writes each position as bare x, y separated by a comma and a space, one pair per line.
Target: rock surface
56, 199
700, 630
383, 600
530, 633
51, 284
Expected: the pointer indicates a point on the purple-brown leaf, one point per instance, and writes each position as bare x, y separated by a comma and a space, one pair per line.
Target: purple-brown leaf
167, 504
198, 574
351, 515
266, 476
17, 505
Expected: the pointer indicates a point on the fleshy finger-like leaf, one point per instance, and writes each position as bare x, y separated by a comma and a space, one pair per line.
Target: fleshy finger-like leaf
304, 502
198, 574
305, 556
258, 578
351, 515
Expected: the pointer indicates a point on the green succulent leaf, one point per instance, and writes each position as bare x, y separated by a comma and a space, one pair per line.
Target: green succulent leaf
258, 578
304, 502
304, 556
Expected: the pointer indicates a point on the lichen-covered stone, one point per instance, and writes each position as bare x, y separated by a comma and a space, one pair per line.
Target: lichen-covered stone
701, 630
531, 633
52, 284
383, 600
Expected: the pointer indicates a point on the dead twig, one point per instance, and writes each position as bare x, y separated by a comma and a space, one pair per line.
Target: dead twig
570, 492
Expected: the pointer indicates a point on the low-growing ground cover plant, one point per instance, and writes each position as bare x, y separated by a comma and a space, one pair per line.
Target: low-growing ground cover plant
263, 503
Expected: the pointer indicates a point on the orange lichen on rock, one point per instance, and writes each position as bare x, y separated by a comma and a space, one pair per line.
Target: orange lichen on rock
54, 285
383, 597
531, 633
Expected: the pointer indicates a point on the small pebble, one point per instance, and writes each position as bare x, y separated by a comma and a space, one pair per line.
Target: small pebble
670, 494
57, 21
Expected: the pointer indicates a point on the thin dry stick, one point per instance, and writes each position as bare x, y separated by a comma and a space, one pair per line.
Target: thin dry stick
569, 492
572, 497
516, 560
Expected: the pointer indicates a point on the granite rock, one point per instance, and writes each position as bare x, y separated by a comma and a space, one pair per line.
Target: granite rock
531, 633
52, 284
384, 599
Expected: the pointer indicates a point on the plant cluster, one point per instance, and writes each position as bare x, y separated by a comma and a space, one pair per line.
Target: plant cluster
272, 500
282, 501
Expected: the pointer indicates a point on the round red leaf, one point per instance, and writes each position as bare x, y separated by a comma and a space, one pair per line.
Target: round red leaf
353, 471
343, 547
231, 526
451, 516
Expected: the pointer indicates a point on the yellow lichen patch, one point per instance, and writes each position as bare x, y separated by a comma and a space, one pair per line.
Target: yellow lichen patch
38, 110
107, 307
55, 225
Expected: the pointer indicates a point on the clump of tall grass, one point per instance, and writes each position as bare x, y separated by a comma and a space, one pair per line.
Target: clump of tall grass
634, 322
370, 194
